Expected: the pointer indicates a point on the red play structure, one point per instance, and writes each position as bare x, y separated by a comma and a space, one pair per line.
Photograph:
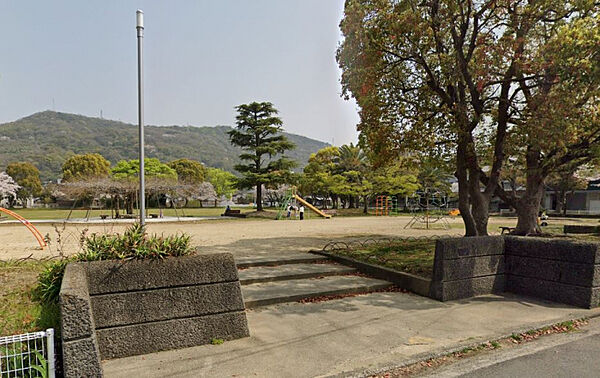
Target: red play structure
27, 224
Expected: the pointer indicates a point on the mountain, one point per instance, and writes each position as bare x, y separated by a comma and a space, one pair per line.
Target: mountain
46, 139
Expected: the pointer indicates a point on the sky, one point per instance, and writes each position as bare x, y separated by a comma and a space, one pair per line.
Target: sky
201, 59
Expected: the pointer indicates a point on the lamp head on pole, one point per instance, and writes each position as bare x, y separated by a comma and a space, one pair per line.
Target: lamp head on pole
139, 17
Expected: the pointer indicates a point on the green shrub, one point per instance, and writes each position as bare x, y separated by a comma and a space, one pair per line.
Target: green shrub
133, 244
49, 281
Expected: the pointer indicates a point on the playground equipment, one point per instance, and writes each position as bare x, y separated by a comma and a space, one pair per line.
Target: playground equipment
386, 205
428, 207
27, 224
292, 196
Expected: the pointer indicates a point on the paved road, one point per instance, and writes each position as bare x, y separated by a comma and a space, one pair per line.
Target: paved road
563, 355
575, 359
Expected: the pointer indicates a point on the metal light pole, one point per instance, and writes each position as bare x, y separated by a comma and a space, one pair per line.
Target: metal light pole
140, 37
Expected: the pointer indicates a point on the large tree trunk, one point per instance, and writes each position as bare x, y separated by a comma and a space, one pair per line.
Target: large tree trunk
366, 205
259, 206
527, 215
480, 204
528, 206
464, 203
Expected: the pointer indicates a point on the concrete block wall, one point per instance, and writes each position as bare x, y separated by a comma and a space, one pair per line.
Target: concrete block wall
558, 270
466, 267
78, 331
143, 306
562, 271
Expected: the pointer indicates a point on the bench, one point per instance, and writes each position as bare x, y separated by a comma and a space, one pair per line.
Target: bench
233, 213
506, 229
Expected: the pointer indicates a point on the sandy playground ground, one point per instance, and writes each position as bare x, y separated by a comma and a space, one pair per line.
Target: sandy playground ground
240, 236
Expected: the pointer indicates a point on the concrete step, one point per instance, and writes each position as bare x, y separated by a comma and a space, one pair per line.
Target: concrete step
291, 271
267, 293
292, 258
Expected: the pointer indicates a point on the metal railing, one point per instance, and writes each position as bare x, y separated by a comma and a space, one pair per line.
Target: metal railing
27, 355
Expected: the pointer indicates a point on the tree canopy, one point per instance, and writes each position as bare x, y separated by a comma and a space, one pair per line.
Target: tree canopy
476, 82
259, 133
222, 181
8, 187
152, 168
27, 176
189, 171
346, 172
84, 167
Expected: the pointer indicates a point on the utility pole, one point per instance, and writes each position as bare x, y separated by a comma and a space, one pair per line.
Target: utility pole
140, 38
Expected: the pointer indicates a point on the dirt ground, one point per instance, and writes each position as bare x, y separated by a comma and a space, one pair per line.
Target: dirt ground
241, 236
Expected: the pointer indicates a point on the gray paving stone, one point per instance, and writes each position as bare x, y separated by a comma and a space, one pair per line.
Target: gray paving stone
292, 258
263, 294
290, 271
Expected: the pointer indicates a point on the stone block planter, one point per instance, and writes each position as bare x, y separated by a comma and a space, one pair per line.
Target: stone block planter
467, 267
113, 309
558, 270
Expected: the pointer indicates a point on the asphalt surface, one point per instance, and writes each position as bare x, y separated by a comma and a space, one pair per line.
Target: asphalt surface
573, 354
575, 359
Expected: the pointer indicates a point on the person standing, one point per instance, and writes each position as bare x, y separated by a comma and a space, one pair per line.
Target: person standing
301, 212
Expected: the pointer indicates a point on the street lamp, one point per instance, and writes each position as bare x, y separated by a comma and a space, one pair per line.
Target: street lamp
140, 36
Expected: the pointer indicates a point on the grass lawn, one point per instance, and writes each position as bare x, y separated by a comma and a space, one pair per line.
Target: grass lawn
19, 311
413, 256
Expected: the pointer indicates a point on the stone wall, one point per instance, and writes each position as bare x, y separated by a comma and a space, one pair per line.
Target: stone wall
562, 271
466, 267
143, 306
558, 270
81, 357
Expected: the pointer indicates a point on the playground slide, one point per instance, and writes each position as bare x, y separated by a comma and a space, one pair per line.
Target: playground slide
299, 199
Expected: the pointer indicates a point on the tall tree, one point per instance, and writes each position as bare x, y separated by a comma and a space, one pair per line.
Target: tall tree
461, 78
258, 133
28, 178
319, 178
222, 181
189, 171
85, 167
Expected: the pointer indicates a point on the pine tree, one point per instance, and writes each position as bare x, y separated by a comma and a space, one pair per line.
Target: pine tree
258, 133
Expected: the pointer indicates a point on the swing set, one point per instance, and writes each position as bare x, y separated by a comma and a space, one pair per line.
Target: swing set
26, 223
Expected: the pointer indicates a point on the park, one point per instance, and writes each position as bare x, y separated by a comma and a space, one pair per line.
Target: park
455, 230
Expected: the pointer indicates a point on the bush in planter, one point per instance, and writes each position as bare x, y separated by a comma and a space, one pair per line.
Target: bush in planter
135, 243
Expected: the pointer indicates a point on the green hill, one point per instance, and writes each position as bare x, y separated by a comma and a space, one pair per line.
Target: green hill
48, 138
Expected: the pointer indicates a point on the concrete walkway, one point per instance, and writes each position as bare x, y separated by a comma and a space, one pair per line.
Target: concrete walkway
351, 335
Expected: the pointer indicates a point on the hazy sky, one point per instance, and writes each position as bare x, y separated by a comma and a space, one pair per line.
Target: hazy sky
201, 59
